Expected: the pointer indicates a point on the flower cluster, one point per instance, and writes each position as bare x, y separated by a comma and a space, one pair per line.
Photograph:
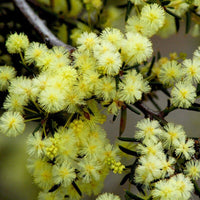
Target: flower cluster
181, 77
166, 164
70, 156
146, 17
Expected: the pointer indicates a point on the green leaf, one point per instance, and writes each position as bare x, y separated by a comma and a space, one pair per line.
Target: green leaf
165, 91
36, 129
114, 118
133, 196
76, 188
131, 67
151, 1
151, 66
68, 5
117, 80
27, 68
125, 178
198, 89
128, 151
164, 3
132, 109
154, 102
126, 139
177, 23
188, 22
128, 10
158, 55
51, 126
173, 14
133, 167
90, 111
123, 120
54, 188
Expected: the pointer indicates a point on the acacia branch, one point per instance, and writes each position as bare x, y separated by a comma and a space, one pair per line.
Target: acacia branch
39, 25
150, 113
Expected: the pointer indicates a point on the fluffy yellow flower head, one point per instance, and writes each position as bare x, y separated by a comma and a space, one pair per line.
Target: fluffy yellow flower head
6, 74
183, 95
153, 16
136, 48
16, 43
107, 196
12, 124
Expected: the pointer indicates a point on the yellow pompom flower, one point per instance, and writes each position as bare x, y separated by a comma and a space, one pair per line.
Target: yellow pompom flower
91, 147
34, 51
50, 195
43, 177
148, 169
12, 124
7, 73
22, 86
63, 174
170, 72
183, 95
110, 63
66, 143
153, 16
52, 100
15, 103
136, 48
135, 25
36, 145
168, 165
106, 88
193, 169
150, 148
104, 47
89, 169
73, 98
112, 35
164, 190
16, 43
191, 70
44, 60
182, 186
148, 130
130, 92
107, 196
184, 148
84, 61
87, 41
34, 164
172, 134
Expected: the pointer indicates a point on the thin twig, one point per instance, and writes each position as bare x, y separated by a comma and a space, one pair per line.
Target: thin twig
39, 25
150, 113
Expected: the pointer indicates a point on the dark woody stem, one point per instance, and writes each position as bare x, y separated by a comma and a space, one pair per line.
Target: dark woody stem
152, 114
39, 25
